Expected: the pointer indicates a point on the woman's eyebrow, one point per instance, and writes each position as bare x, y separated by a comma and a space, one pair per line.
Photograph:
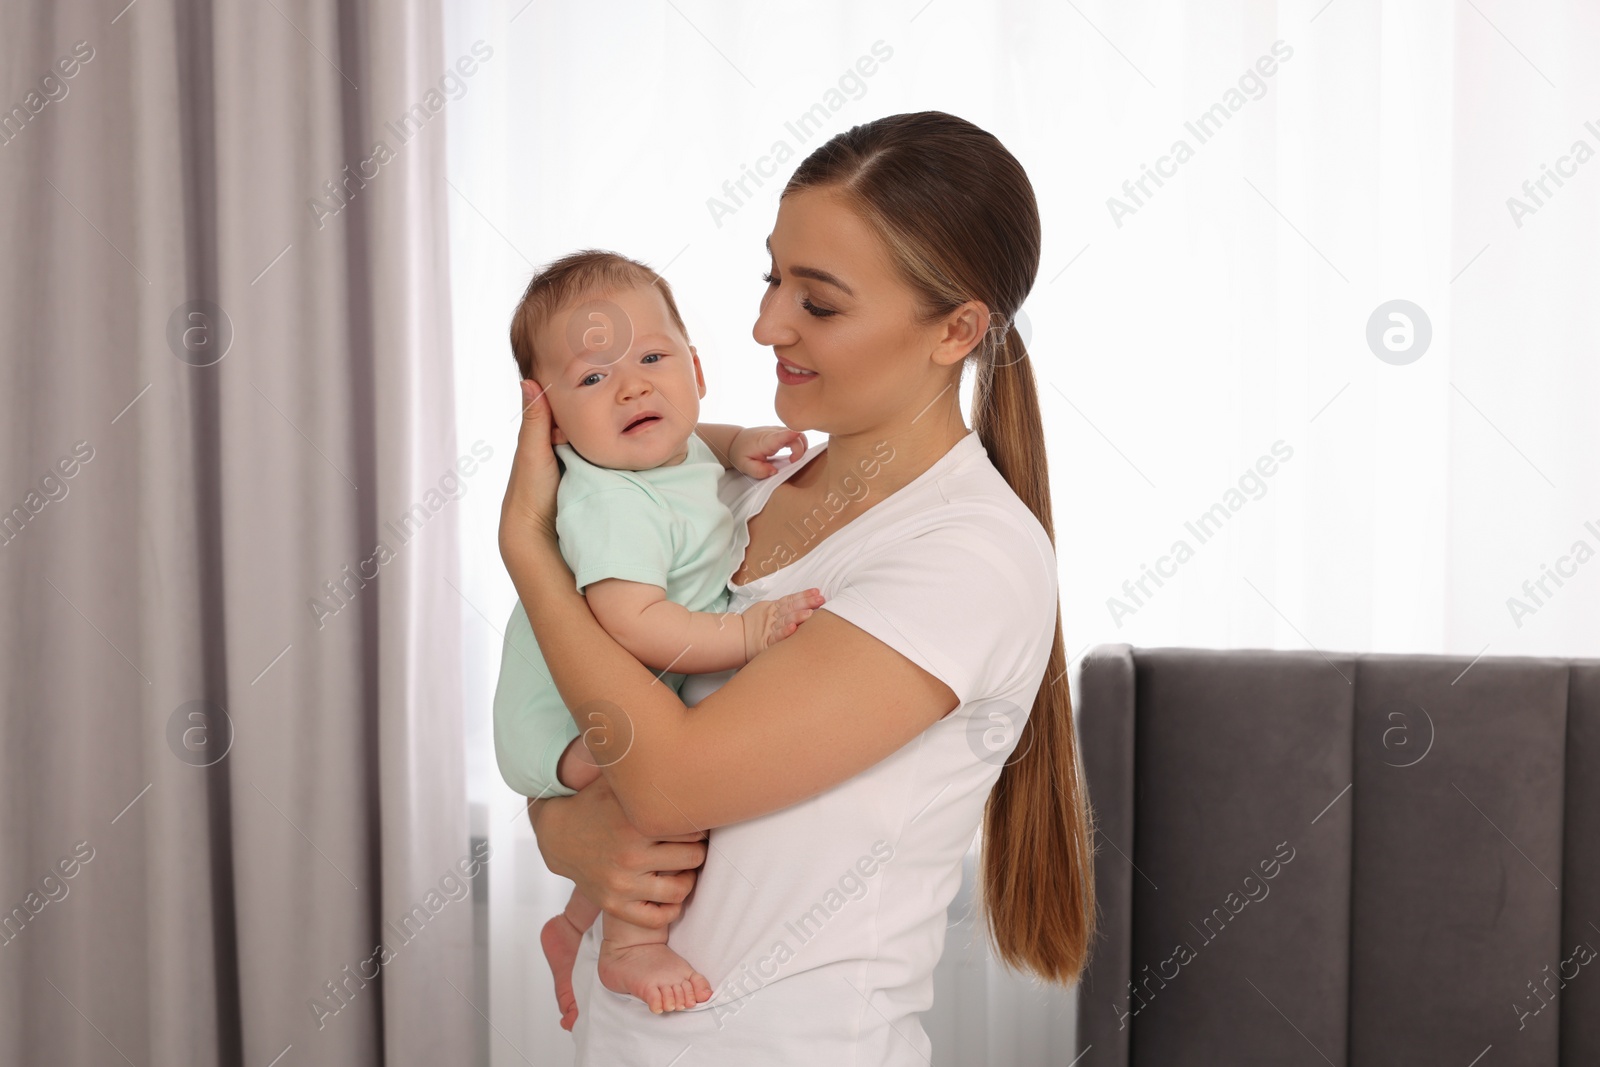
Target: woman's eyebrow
815, 275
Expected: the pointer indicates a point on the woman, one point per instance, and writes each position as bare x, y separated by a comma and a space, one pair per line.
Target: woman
843, 773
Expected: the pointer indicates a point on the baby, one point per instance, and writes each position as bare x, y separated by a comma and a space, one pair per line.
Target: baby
650, 545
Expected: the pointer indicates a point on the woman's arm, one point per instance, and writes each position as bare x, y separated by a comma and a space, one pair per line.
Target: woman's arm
781, 730
586, 838
814, 710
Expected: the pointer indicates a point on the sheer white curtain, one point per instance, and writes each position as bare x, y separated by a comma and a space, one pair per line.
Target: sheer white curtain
1234, 464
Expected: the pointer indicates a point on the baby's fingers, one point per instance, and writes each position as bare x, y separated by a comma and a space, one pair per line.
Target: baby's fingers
793, 440
807, 600
786, 625
792, 610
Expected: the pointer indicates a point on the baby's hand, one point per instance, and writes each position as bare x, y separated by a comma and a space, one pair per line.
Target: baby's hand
754, 447
766, 622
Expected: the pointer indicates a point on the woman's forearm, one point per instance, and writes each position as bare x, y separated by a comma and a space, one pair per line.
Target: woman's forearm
587, 838
615, 700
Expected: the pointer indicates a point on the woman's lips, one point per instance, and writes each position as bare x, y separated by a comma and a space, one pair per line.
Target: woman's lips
787, 377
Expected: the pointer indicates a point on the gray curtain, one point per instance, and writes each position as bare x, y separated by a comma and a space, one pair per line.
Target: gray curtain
231, 760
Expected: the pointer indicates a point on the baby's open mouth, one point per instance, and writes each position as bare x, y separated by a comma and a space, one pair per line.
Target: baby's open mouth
640, 421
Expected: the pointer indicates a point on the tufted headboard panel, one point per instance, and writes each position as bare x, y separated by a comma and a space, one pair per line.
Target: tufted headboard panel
1341, 859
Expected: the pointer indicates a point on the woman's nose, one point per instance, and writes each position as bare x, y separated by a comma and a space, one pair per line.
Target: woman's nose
770, 328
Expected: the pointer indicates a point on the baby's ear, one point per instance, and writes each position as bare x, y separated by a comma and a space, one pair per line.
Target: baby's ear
558, 436
699, 373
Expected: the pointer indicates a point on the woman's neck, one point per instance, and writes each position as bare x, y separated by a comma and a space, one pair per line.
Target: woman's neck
896, 456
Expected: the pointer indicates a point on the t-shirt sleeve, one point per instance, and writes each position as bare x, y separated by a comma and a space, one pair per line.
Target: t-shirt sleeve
969, 602
616, 533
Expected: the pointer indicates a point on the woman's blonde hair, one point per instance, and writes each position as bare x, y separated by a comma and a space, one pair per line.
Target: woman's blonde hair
958, 215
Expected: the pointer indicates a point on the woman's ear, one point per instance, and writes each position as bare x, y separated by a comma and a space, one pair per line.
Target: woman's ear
963, 331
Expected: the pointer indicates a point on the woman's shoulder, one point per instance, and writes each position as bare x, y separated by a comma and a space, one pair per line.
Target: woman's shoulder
972, 496
957, 575
963, 524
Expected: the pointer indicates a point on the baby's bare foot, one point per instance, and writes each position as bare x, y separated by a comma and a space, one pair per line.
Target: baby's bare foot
653, 973
560, 938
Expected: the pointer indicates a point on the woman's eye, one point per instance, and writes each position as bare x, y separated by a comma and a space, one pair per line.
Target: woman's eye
819, 312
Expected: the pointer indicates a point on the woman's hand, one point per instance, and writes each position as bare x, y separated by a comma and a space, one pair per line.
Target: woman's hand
529, 510
754, 447
586, 837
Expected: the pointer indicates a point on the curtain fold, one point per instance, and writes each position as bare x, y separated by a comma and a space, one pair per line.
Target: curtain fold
229, 637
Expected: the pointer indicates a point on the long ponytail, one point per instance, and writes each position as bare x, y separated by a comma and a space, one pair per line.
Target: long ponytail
1036, 889
958, 215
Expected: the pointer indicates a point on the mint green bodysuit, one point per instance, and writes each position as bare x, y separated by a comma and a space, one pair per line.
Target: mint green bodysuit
665, 527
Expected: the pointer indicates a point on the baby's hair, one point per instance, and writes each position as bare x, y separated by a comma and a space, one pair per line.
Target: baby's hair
590, 272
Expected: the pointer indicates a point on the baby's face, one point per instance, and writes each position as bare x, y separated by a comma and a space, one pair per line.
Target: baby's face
609, 360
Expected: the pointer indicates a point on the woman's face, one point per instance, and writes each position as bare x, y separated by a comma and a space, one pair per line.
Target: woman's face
836, 307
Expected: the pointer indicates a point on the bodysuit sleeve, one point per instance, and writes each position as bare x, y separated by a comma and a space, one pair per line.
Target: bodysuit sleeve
616, 533
532, 727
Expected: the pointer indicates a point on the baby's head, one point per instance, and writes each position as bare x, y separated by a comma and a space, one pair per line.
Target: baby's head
602, 334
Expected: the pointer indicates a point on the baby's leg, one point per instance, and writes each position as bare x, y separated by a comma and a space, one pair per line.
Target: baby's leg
636, 960
559, 939
575, 769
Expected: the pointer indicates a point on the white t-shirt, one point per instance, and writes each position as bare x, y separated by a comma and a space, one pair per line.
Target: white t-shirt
818, 926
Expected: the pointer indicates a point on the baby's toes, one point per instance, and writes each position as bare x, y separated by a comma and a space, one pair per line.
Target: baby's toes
701, 987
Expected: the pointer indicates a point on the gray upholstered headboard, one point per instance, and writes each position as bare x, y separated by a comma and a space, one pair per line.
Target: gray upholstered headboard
1342, 859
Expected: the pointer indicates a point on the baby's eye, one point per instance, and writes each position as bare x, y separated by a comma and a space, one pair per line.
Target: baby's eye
585, 379
651, 356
